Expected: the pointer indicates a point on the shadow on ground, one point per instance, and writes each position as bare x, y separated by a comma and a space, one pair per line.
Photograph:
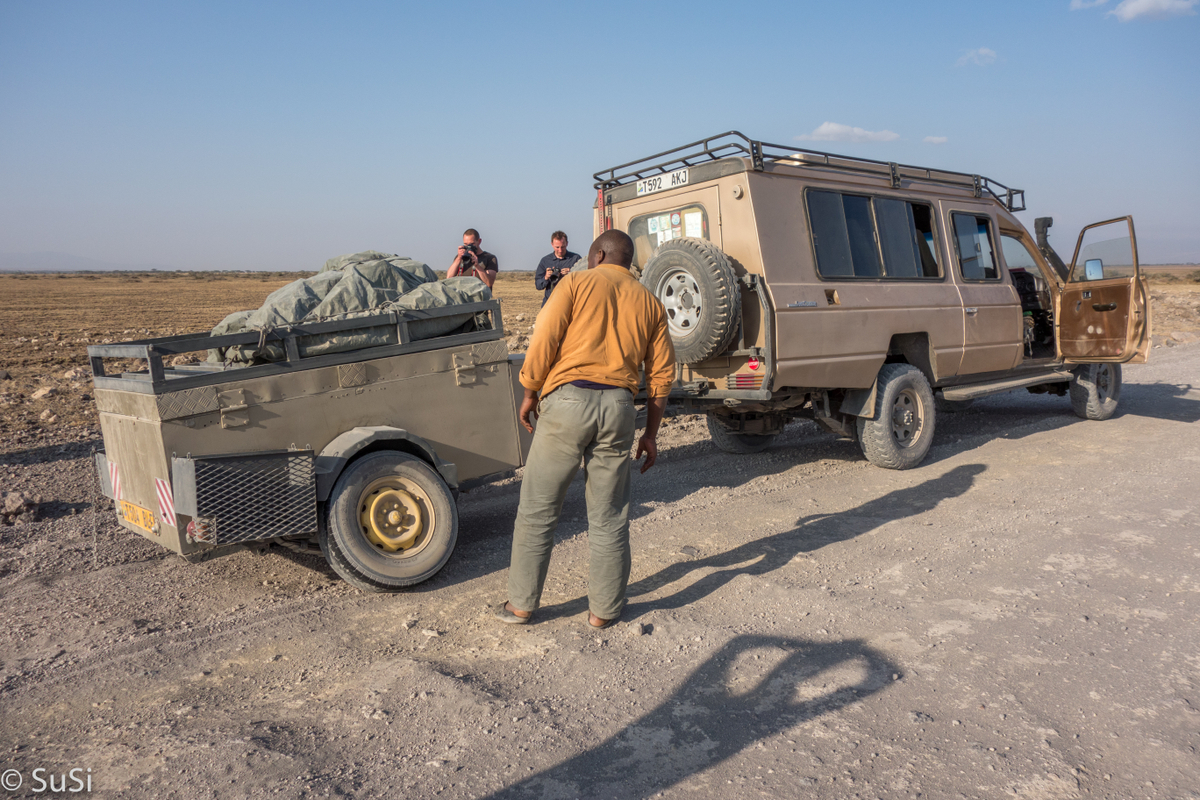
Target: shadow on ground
711, 717
761, 556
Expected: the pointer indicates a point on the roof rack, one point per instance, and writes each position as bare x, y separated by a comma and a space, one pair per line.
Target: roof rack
734, 144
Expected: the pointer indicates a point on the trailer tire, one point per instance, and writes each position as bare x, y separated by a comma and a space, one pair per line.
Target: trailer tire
900, 434
392, 522
738, 443
1095, 390
698, 286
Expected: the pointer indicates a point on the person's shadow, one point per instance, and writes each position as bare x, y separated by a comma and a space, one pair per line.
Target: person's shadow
765, 555
711, 717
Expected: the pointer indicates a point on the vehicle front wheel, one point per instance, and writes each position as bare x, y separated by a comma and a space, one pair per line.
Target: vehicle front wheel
739, 443
392, 522
1095, 390
902, 431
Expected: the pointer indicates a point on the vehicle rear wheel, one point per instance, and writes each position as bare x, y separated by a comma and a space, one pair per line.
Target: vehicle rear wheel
740, 443
900, 434
1095, 390
698, 286
392, 522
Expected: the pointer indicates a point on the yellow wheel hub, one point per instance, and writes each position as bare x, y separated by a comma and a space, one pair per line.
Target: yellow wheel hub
393, 515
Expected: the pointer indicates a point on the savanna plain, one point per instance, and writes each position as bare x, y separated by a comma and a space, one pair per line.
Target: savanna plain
1017, 617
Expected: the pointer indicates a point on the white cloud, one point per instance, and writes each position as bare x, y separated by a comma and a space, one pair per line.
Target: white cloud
1079, 5
836, 132
935, 140
981, 57
1128, 10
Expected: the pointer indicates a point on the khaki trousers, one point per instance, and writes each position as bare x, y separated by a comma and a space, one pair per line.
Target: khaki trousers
574, 424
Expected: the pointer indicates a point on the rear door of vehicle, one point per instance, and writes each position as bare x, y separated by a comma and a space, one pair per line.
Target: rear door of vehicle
1103, 313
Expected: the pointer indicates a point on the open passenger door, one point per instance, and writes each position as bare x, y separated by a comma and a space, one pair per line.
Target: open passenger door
1103, 311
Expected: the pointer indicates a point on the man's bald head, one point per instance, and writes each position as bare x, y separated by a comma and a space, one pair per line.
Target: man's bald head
611, 247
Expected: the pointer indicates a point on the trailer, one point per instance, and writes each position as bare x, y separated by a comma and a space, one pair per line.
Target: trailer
359, 454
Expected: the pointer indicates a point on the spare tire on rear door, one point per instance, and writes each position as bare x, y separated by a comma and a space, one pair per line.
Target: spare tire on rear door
697, 284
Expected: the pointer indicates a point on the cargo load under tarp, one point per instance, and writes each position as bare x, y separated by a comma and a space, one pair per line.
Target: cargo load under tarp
350, 286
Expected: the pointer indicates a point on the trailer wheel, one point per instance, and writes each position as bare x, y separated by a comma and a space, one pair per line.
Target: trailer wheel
1095, 390
739, 443
698, 287
900, 434
392, 523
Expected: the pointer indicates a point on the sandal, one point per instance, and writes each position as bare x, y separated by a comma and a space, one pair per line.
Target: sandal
504, 615
604, 623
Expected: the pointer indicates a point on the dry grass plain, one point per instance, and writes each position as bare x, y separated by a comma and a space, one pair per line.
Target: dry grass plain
47, 321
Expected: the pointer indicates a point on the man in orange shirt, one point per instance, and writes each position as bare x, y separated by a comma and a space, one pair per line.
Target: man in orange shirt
599, 327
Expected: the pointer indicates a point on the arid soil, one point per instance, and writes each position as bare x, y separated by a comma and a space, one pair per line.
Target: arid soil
1018, 617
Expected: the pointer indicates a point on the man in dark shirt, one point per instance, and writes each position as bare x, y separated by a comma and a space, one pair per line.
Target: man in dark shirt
472, 259
551, 268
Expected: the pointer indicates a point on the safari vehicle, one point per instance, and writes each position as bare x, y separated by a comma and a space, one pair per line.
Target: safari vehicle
361, 454
866, 294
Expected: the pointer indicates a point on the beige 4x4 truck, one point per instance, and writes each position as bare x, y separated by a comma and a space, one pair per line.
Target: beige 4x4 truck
867, 294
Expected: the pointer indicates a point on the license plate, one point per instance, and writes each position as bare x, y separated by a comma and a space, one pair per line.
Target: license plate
138, 516
661, 183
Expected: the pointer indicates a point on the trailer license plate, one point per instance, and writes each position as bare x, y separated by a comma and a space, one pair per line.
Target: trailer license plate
661, 183
138, 516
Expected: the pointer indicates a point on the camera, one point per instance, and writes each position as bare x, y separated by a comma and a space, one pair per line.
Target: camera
469, 248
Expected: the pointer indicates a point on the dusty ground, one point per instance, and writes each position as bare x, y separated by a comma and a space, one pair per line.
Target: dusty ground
1019, 617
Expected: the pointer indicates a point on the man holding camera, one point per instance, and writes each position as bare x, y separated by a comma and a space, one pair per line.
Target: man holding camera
472, 259
551, 268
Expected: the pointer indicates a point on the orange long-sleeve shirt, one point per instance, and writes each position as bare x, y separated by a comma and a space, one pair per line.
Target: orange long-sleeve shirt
600, 325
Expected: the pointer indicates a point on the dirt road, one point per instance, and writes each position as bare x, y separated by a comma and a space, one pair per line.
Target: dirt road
1019, 617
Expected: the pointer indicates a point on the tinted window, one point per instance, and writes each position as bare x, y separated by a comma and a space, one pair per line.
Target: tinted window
973, 240
897, 238
650, 230
863, 237
829, 234
860, 225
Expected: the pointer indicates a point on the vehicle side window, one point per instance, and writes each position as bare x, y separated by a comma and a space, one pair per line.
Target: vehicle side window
855, 236
650, 230
973, 241
906, 238
832, 243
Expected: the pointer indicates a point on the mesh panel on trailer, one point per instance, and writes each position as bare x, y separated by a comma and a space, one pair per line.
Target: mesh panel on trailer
258, 496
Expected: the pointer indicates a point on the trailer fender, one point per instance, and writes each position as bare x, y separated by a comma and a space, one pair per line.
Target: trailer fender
342, 450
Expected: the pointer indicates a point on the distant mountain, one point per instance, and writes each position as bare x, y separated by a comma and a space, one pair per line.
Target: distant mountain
66, 262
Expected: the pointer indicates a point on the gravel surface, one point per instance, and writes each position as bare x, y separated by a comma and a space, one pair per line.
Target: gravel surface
1018, 617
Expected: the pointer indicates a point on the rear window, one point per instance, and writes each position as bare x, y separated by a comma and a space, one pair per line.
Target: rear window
860, 236
650, 230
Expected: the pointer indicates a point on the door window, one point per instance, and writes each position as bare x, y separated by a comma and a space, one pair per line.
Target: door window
650, 230
973, 241
1104, 251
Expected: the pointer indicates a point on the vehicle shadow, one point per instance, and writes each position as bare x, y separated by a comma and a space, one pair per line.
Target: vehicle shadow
1160, 401
710, 718
761, 556
46, 454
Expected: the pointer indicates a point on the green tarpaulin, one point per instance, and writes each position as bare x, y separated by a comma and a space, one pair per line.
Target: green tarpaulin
350, 286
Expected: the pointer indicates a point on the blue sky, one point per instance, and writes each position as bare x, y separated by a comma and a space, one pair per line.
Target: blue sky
275, 135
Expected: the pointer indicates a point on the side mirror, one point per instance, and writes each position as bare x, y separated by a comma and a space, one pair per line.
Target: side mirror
1093, 270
